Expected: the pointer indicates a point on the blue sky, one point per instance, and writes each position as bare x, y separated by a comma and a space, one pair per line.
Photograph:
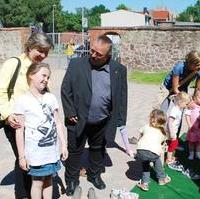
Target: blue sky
175, 6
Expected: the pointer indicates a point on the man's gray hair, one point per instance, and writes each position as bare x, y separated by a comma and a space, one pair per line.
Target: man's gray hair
106, 40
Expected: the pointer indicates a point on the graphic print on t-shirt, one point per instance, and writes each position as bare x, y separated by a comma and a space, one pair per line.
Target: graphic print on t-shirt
47, 128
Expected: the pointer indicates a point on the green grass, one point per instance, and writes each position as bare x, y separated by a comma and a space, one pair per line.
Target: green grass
181, 187
147, 77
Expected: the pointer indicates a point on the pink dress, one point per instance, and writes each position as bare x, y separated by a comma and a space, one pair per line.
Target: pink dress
193, 134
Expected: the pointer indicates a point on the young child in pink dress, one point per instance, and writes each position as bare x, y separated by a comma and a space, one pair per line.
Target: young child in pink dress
193, 122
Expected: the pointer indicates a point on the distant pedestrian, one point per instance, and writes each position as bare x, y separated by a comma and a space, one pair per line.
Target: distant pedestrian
37, 138
36, 49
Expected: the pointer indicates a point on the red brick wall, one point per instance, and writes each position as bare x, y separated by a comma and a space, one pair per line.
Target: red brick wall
67, 37
94, 33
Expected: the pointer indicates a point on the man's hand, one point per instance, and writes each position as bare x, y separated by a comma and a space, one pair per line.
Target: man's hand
13, 121
73, 119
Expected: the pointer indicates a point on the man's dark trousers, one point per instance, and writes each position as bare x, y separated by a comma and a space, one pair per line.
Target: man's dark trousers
95, 133
22, 180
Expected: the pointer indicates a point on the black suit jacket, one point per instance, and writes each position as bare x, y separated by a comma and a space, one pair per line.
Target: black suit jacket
76, 94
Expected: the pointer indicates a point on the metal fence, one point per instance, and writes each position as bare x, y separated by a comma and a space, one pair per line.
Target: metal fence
77, 41
79, 44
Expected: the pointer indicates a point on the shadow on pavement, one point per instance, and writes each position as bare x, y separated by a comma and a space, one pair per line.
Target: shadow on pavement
134, 171
9, 179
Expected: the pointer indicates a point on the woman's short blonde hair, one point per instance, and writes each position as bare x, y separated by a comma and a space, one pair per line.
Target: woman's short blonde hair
38, 40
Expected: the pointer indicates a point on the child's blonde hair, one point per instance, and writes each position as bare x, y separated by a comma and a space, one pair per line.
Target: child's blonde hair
158, 120
182, 97
193, 58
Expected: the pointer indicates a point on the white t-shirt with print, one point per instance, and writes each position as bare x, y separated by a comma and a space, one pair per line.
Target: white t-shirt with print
41, 142
151, 139
175, 113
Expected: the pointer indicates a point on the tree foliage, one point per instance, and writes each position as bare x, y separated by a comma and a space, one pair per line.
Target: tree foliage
16, 13
122, 7
192, 13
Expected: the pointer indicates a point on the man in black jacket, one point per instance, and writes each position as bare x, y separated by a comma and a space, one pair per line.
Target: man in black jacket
94, 98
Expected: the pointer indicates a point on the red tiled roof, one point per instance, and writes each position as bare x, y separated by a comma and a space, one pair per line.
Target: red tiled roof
160, 14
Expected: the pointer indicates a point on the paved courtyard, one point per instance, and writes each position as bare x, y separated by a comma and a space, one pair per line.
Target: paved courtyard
119, 166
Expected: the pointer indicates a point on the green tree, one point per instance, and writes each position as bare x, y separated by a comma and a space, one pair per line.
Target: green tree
25, 12
122, 7
192, 13
15, 13
94, 18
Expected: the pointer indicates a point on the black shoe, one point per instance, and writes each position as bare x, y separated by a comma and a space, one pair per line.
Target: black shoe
91, 194
24, 198
133, 140
77, 193
71, 186
97, 182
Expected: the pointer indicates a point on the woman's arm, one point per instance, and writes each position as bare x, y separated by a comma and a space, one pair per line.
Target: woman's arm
6, 73
20, 144
188, 121
175, 84
60, 130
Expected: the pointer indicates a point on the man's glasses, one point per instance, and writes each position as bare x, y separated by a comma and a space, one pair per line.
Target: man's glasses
92, 51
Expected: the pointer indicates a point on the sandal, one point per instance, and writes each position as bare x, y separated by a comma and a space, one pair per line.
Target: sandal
143, 186
164, 181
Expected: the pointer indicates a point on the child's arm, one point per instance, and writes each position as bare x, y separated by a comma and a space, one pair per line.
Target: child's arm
175, 84
20, 143
188, 121
172, 132
60, 130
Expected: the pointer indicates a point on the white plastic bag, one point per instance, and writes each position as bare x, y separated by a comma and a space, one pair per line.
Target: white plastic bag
123, 194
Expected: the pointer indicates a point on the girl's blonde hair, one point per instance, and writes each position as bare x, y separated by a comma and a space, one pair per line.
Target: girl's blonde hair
34, 68
158, 120
182, 97
38, 40
193, 58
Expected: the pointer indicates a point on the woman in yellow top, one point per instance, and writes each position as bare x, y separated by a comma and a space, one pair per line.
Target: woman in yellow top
36, 50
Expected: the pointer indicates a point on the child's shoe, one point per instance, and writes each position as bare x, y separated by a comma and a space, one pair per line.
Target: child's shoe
164, 181
191, 174
191, 156
143, 186
197, 155
176, 166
